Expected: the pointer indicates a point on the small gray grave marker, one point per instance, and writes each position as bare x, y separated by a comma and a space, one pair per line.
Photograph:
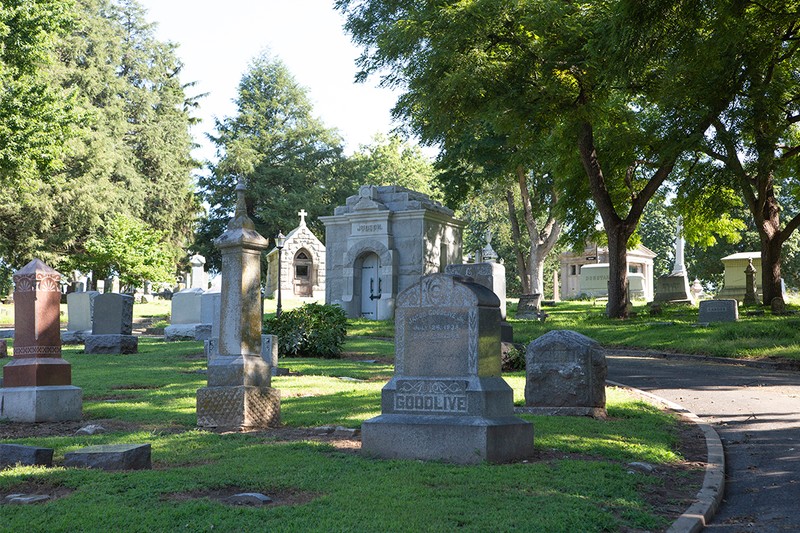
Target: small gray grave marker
718, 311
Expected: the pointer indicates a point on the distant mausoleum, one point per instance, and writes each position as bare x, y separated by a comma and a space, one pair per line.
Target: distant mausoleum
380, 243
302, 265
586, 273
734, 280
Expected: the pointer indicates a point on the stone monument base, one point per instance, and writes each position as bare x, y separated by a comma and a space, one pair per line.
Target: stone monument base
187, 332
75, 337
114, 344
455, 439
59, 403
238, 407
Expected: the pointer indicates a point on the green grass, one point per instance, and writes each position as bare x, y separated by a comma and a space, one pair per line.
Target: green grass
151, 395
676, 330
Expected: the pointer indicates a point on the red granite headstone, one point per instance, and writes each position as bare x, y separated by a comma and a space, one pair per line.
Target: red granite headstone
37, 337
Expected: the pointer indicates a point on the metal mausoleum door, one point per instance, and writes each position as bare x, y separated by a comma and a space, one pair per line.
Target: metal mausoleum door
370, 286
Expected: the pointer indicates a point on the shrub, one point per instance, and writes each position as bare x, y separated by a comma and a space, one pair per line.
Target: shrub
512, 357
312, 330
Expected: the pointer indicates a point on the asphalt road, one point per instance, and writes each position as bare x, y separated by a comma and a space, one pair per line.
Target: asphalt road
756, 412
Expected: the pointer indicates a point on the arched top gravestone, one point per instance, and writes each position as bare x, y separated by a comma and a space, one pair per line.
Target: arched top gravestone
446, 400
447, 326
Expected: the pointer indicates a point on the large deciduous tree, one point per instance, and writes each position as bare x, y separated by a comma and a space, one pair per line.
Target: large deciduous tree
757, 138
607, 78
290, 160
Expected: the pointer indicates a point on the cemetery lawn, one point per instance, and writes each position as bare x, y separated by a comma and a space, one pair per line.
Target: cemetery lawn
577, 480
758, 335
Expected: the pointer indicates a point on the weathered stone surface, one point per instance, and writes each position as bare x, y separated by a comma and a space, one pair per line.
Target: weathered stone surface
186, 307
113, 314
111, 457
778, 306
380, 243
718, 311
238, 407
58, 403
249, 498
111, 344
238, 392
565, 374
80, 310
91, 429
447, 400
186, 332
13, 454
75, 337
528, 306
490, 275
26, 499
673, 288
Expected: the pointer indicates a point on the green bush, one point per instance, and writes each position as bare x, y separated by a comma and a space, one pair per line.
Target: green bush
312, 330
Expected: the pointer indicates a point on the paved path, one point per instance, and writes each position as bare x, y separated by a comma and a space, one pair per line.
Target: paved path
756, 412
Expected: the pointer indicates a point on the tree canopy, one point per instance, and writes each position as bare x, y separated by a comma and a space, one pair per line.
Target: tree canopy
290, 160
130, 154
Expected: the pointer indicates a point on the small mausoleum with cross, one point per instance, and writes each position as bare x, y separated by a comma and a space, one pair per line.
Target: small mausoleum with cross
302, 264
382, 241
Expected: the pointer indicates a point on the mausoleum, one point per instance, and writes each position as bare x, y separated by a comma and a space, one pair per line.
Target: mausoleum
302, 264
382, 241
734, 279
593, 282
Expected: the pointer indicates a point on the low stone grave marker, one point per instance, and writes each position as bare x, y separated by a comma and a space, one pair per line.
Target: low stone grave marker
565, 375
111, 457
718, 311
12, 454
447, 400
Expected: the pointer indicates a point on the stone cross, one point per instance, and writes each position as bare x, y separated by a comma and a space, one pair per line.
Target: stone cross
302, 214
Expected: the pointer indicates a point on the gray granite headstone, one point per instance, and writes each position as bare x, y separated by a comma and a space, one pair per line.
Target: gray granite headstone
565, 375
112, 325
12, 454
718, 311
447, 400
80, 312
113, 314
111, 457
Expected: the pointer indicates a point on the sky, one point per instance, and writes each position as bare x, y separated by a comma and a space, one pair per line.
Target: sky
218, 38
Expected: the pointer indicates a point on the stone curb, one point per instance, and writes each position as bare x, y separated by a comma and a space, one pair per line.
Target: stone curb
640, 352
708, 499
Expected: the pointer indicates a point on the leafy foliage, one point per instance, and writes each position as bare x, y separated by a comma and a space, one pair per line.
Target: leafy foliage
130, 249
131, 154
312, 330
289, 159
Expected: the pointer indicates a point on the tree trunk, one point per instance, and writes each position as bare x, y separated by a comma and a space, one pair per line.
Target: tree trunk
617, 306
769, 231
524, 274
542, 242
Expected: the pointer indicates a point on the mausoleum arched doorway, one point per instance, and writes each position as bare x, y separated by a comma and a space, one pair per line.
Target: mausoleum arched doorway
303, 268
368, 281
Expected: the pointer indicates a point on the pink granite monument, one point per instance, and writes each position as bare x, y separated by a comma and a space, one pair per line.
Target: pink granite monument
37, 383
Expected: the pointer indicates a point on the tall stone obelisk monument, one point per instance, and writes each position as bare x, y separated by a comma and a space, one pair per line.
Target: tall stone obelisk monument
238, 394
